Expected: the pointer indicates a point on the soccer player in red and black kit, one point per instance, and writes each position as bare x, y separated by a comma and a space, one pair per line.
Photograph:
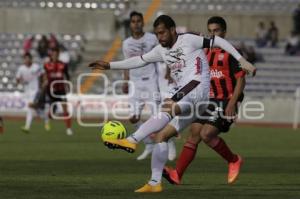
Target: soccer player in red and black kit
1, 125
227, 85
56, 72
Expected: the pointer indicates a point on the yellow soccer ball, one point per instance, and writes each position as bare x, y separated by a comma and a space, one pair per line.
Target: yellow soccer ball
113, 130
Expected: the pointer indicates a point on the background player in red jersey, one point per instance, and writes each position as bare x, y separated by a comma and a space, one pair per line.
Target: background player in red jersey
56, 73
227, 84
1, 125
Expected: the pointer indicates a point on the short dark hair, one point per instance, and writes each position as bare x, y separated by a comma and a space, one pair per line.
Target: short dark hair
135, 13
27, 54
166, 20
218, 20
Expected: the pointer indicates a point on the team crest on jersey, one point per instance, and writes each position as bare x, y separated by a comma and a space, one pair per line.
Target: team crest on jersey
221, 57
176, 53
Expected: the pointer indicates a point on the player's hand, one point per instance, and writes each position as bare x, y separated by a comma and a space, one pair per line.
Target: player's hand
125, 87
247, 66
230, 111
101, 65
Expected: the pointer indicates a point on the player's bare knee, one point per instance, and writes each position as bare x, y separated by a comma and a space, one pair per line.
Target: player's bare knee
170, 107
160, 138
194, 135
206, 136
194, 138
167, 106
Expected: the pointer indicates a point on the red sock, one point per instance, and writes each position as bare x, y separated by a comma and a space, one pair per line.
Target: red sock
186, 157
1, 125
67, 120
223, 150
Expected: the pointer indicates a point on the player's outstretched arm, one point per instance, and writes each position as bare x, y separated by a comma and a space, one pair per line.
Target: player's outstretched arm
202, 42
130, 63
247, 66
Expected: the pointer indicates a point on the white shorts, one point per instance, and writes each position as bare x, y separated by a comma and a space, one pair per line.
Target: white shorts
193, 96
30, 95
192, 103
144, 92
180, 123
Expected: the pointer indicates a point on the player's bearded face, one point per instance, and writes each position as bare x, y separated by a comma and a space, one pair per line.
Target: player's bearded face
164, 35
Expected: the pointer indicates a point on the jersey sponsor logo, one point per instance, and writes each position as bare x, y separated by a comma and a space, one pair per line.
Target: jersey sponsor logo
216, 74
221, 57
198, 65
56, 75
177, 65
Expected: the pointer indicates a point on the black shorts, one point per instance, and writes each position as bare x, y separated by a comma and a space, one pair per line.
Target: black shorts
59, 96
215, 115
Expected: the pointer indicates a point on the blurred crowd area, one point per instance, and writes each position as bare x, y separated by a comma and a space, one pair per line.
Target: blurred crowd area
14, 45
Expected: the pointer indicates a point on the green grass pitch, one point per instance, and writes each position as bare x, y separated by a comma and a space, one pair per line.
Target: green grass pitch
52, 165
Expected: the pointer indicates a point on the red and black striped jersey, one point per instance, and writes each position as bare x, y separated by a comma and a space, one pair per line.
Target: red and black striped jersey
56, 71
224, 70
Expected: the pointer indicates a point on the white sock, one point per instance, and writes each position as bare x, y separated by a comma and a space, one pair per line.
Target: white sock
158, 161
149, 147
46, 117
153, 124
172, 149
29, 117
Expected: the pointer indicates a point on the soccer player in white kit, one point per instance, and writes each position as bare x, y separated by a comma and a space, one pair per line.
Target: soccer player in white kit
29, 75
184, 56
143, 87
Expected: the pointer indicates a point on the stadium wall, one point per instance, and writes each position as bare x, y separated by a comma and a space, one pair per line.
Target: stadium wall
91, 23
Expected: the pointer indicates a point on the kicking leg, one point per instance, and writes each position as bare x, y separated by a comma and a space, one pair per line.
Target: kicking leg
152, 125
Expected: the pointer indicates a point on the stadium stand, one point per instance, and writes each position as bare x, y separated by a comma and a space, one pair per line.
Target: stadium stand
11, 51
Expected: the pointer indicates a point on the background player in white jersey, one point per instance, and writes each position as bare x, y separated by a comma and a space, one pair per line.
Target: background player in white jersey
143, 88
189, 68
29, 74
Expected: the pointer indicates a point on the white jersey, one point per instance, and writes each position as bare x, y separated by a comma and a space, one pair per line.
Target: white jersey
30, 76
137, 47
185, 59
